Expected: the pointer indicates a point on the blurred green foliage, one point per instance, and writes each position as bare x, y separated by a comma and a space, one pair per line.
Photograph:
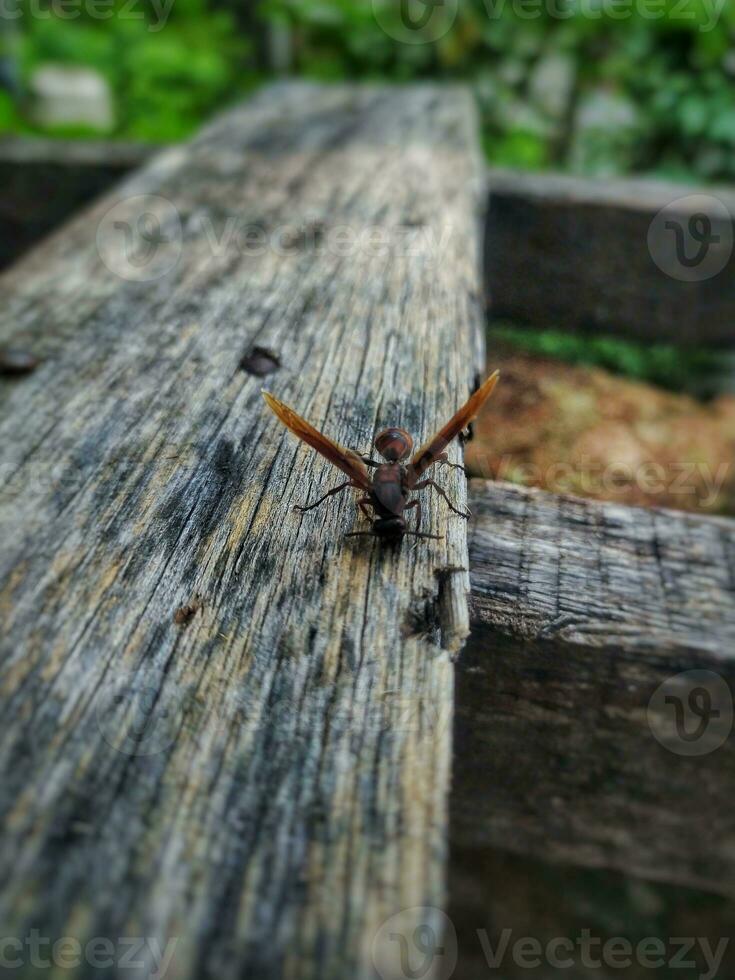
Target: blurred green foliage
167, 74
661, 364
593, 86
651, 82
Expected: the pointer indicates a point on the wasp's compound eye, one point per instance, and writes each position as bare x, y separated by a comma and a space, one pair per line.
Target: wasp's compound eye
394, 444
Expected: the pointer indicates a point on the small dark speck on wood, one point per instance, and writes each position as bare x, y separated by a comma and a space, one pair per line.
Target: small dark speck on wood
260, 361
184, 614
15, 362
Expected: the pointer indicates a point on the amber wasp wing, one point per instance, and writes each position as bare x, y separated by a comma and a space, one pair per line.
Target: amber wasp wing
432, 449
344, 459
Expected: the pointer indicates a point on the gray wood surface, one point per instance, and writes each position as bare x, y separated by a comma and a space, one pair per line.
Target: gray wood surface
573, 253
223, 723
566, 751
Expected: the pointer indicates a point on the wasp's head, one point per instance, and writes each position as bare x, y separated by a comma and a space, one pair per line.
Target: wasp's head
393, 444
391, 528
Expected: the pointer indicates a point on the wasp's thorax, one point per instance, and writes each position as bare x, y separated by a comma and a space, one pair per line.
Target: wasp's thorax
394, 444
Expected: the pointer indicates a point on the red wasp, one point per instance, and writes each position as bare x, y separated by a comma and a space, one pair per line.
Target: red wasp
389, 487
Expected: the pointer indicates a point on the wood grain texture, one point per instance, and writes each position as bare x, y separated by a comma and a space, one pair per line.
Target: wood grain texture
223, 722
581, 611
573, 253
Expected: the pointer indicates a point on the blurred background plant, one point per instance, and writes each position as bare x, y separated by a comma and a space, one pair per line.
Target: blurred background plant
591, 92
165, 76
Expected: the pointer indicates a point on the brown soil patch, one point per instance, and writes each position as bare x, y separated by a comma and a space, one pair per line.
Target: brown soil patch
585, 431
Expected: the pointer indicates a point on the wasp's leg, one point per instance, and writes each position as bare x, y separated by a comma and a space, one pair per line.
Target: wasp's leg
430, 483
417, 505
363, 503
365, 457
443, 461
329, 493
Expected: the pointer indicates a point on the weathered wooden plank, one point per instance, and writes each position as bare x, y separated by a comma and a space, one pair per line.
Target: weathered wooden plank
261, 775
45, 181
575, 253
566, 750
568, 818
